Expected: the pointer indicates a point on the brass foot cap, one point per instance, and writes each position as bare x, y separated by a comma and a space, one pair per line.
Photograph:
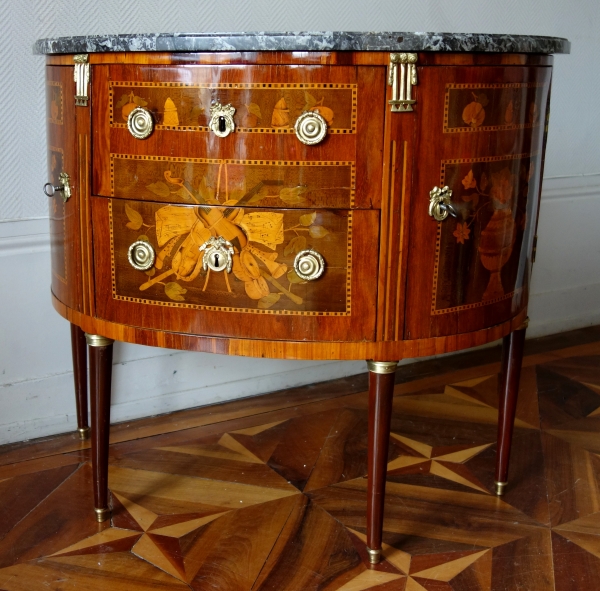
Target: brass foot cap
84, 432
500, 488
374, 556
102, 514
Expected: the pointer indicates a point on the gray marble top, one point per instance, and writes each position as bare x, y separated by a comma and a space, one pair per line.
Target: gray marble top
304, 41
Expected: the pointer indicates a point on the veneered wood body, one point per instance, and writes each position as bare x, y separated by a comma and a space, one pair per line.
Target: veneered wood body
398, 284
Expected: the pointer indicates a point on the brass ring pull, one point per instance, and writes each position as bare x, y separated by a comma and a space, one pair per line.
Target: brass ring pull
440, 206
64, 187
141, 255
309, 265
310, 128
140, 123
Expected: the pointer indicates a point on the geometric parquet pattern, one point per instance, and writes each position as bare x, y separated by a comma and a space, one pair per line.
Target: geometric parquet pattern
275, 498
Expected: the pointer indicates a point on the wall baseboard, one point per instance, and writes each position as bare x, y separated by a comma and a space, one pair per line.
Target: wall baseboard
142, 389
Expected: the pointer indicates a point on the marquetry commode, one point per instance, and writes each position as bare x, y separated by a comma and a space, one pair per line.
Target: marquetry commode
298, 196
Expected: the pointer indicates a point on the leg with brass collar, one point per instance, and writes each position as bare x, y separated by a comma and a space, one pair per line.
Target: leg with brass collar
508, 389
381, 390
78, 350
100, 351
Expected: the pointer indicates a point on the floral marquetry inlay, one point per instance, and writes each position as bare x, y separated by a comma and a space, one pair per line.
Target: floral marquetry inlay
265, 183
493, 107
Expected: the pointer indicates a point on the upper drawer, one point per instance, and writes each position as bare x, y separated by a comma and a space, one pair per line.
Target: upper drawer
263, 147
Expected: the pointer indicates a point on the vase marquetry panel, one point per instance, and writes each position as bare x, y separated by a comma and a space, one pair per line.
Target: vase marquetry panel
481, 133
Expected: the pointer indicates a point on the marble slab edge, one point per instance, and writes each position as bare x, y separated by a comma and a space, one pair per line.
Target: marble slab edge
304, 41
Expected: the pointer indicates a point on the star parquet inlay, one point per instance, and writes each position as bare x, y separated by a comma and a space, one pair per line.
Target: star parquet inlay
276, 500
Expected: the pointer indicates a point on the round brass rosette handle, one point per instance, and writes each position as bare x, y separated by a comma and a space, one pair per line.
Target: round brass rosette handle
140, 123
309, 265
141, 255
310, 128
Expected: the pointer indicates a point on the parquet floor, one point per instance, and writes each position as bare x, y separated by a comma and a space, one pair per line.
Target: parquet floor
269, 493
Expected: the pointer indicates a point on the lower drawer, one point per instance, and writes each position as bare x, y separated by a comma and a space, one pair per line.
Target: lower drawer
262, 296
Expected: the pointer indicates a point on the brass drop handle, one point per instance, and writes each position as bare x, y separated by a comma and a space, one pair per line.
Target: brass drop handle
141, 255
221, 119
218, 254
440, 206
309, 265
140, 123
310, 128
64, 187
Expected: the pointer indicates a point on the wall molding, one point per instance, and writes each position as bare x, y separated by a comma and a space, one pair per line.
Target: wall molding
24, 236
570, 187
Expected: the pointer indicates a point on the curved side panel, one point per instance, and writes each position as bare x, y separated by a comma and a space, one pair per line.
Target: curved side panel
62, 158
481, 134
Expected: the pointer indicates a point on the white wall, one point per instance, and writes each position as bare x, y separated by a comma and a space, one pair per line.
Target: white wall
35, 379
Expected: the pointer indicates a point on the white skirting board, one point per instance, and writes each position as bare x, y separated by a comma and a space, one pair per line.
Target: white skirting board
36, 382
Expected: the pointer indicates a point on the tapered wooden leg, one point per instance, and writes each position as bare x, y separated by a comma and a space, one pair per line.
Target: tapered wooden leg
78, 349
508, 390
100, 350
381, 391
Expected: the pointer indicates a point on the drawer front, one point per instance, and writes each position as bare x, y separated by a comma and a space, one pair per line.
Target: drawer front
263, 147
252, 183
262, 297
